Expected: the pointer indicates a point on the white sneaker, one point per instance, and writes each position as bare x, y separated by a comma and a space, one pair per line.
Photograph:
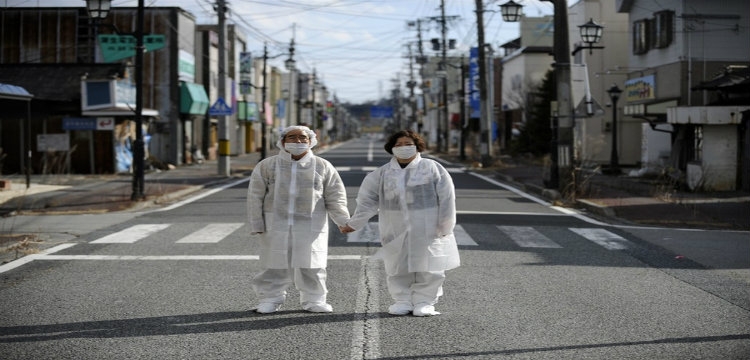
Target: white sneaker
317, 307
267, 308
400, 308
425, 310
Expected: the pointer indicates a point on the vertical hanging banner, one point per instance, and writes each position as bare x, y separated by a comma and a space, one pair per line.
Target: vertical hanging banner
474, 103
246, 69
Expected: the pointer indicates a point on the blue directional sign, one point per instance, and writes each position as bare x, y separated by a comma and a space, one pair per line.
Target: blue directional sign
381, 112
220, 108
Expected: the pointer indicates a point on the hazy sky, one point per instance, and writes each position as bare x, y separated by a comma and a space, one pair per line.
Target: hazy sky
357, 47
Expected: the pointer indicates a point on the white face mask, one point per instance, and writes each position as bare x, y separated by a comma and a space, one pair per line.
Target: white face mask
404, 152
296, 148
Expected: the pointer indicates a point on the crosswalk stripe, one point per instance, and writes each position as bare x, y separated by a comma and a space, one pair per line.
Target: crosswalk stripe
211, 233
523, 236
528, 237
356, 168
462, 237
373, 168
371, 234
604, 238
131, 234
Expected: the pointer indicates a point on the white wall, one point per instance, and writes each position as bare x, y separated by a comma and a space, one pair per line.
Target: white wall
719, 163
713, 39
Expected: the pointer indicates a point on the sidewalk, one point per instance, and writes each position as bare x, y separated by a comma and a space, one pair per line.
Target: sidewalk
631, 200
71, 194
623, 199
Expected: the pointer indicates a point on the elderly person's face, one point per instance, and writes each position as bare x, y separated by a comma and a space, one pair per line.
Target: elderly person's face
295, 136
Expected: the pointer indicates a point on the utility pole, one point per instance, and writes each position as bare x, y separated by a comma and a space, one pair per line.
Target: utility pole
263, 88
444, 68
313, 119
290, 67
485, 141
421, 60
138, 145
223, 162
561, 163
411, 84
464, 124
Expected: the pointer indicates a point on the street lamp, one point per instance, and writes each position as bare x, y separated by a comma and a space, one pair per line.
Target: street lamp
614, 94
591, 33
563, 137
511, 11
100, 9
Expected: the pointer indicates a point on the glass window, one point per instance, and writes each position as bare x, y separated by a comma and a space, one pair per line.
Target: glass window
663, 29
641, 36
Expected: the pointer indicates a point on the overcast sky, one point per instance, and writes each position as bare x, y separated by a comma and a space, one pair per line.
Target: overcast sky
357, 47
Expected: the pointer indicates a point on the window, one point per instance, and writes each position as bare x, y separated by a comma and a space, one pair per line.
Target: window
662, 29
641, 36
697, 150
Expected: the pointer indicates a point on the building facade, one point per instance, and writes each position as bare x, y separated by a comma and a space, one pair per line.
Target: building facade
676, 48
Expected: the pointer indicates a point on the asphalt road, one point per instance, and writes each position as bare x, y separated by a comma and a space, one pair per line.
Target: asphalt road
536, 282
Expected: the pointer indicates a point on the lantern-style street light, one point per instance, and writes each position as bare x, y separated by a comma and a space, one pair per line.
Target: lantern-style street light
591, 33
511, 11
562, 123
100, 9
614, 94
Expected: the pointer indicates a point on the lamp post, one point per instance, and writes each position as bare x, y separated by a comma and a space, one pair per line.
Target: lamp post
614, 94
591, 33
100, 9
562, 124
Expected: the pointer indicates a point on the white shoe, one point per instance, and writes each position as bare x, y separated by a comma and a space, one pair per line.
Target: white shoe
425, 310
317, 307
267, 308
400, 308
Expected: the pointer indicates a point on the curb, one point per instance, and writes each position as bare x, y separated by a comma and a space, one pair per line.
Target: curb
595, 208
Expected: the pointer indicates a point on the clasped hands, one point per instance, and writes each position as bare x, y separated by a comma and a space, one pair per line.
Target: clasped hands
346, 229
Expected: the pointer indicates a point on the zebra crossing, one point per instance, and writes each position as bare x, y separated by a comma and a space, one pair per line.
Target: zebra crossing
521, 236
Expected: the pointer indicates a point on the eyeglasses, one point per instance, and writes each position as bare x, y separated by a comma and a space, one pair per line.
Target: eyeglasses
302, 138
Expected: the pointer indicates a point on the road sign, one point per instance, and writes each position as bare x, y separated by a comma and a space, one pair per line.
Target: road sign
220, 108
115, 47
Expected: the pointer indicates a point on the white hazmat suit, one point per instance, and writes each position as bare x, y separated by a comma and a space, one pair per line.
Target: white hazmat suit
288, 204
417, 214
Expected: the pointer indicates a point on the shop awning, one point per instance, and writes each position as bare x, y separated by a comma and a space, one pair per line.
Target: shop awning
13, 92
193, 99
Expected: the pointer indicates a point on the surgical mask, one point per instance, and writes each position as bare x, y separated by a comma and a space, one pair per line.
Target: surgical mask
296, 148
404, 152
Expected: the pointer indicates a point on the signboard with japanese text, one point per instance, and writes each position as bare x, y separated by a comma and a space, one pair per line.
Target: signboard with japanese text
71, 123
116, 47
474, 103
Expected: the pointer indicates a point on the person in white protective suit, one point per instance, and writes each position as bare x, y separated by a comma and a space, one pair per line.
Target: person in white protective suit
415, 201
289, 199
